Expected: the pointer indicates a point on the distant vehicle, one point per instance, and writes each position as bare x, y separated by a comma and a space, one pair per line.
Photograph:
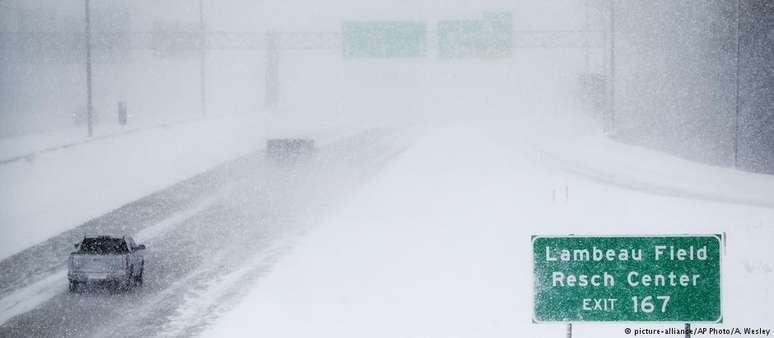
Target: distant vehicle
104, 259
289, 149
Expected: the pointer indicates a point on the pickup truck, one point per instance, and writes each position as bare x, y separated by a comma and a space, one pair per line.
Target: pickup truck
117, 261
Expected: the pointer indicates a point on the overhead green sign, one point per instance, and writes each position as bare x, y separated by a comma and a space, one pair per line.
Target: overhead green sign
490, 36
384, 39
661, 278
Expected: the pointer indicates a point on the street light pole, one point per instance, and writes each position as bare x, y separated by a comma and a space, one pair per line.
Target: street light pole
586, 42
89, 108
202, 61
612, 66
736, 110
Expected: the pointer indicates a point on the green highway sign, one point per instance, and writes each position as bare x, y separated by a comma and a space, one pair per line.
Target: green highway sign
655, 278
384, 39
489, 36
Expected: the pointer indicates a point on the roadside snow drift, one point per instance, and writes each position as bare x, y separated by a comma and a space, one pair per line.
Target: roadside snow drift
438, 245
58, 190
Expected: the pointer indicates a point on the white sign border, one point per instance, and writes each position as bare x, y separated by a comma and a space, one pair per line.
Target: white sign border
721, 245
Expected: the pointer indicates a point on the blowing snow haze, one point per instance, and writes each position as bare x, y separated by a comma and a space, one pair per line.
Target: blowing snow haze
349, 169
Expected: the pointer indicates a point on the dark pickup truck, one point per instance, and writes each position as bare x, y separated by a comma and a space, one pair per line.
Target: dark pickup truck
115, 260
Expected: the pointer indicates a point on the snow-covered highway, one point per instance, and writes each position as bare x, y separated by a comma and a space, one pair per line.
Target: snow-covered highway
208, 237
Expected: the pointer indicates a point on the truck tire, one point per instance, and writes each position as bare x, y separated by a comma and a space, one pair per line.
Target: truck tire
138, 278
117, 285
74, 286
127, 283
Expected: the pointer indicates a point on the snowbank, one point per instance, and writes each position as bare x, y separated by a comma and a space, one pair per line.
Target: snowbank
644, 169
58, 190
31, 144
439, 246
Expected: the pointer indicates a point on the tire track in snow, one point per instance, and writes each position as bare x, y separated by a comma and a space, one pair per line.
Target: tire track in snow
29, 297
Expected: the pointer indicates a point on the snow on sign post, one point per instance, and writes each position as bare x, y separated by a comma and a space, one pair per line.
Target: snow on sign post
657, 278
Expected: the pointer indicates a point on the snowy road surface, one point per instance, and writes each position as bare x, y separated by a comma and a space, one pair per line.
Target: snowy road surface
435, 245
208, 237
438, 244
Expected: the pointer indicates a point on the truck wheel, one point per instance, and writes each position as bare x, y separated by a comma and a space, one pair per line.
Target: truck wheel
138, 278
127, 283
73, 286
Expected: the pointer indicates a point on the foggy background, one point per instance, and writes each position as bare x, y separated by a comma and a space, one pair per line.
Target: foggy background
675, 67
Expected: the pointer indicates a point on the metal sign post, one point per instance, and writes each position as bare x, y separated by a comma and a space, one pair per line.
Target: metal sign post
271, 80
202, 61
89, 108
612, 122
122, 114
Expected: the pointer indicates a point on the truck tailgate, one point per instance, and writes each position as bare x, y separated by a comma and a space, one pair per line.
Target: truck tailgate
98, 263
